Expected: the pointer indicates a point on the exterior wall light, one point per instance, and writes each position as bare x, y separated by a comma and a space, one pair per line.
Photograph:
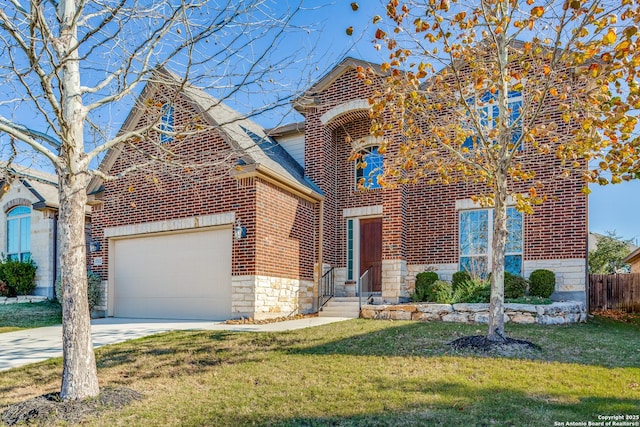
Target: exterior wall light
94, 246
239, 231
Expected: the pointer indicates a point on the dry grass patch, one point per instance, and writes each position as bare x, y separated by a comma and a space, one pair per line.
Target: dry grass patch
359, 373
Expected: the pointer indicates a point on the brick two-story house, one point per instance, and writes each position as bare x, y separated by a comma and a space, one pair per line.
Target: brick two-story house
254, 239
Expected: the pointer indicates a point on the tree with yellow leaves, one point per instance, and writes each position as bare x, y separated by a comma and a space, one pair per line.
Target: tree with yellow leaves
479, 91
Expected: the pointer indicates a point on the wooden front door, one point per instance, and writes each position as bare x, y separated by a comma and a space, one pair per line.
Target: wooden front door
371, 251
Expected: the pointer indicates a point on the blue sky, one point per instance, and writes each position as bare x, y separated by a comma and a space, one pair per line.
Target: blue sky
611, 208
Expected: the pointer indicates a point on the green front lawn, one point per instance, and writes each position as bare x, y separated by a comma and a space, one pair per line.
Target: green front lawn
29, 315
361, 373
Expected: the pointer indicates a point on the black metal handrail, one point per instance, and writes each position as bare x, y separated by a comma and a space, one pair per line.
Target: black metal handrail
365, 286
326, 287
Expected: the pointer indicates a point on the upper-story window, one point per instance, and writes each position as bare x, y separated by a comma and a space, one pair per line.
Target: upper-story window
369, 167
19, 233
166, 123
488, 114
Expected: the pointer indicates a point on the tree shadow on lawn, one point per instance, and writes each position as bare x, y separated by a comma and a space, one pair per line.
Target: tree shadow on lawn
171, 354
443, 403
594, 343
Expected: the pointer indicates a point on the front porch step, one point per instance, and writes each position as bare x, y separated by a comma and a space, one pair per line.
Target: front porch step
341, 307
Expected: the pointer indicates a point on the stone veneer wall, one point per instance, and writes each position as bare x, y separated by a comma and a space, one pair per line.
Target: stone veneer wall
22, 299
263, 297
557, 313
394, 272
571, 274
260, 297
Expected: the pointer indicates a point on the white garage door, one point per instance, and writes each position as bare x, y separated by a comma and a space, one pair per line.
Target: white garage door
173, 276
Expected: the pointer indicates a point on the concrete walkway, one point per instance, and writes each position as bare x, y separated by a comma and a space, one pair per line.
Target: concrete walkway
34, 345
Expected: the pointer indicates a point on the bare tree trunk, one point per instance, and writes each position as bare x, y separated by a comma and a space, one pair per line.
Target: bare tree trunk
498, 244
79, 375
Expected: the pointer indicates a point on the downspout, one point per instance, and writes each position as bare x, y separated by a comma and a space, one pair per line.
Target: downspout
55, 252
587, 281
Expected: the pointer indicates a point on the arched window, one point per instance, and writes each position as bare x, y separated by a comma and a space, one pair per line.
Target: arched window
19, 233
369, 166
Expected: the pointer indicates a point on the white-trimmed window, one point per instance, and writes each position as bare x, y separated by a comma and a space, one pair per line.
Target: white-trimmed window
476, 234
488, 113
350, 248
166, 123
369, 166
19, 233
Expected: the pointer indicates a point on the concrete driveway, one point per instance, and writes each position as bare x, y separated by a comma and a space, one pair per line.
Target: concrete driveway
34, 345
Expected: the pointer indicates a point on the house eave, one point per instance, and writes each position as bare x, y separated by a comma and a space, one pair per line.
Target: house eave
288, 129
44, 206
96, 198
266, 174
632, 256
308, 99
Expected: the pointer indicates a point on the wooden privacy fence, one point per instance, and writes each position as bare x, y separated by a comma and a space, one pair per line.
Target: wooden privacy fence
614, 292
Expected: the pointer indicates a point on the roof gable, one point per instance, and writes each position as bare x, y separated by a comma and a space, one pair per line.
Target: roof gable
241, 133
329, 78
43, 186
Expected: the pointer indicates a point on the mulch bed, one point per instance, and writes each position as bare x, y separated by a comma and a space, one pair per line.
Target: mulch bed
48, 408
505, 346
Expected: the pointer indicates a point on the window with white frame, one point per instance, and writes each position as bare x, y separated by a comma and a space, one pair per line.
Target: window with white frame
488, 113
476, 233
19, 233
369, 166
166, 123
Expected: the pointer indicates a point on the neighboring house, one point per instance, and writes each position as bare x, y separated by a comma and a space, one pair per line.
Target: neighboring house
28, 220
594, 238
253, 240
633, 259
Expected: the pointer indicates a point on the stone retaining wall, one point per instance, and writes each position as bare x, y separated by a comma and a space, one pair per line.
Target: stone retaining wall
21, 299
558, 313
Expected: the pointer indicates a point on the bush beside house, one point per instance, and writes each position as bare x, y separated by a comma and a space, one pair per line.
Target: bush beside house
542, 283
465, 289
94, 291
17, 277
424, 284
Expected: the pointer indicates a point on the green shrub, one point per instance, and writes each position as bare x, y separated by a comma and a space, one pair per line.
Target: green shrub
460, 277
472, 291
424, 281
542, 283
442, 292
93, 289
19, 277
6, 290
514, 286
528, 300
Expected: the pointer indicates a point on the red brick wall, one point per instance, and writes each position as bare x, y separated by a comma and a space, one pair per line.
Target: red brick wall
286, 233
420, 221
158, 192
